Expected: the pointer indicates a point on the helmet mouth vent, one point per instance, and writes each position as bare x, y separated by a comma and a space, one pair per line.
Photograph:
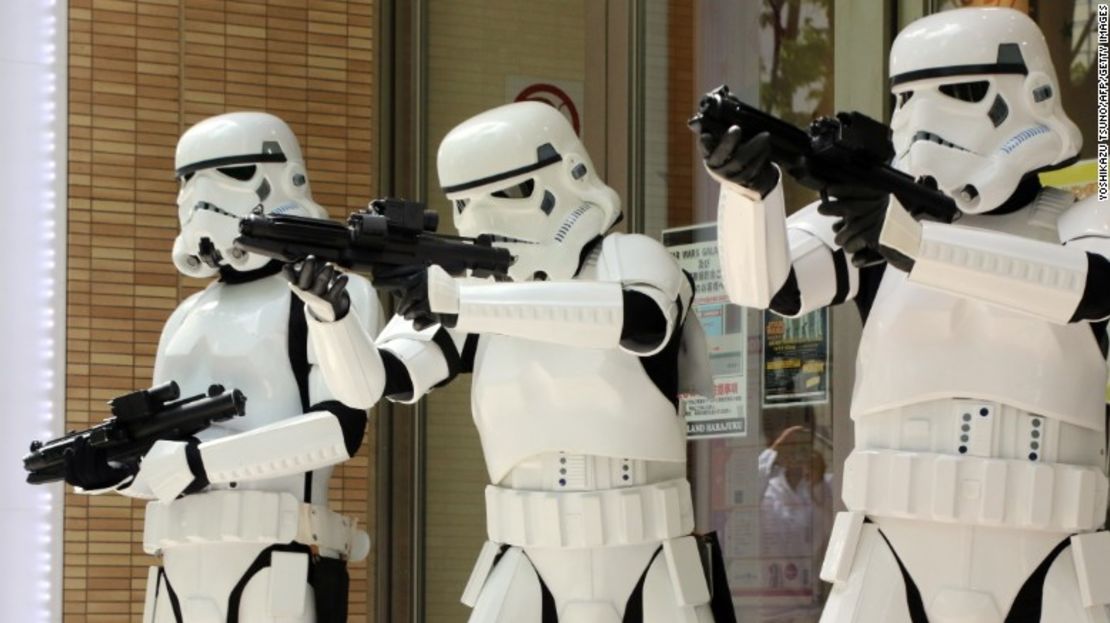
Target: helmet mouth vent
508, 239
209, 207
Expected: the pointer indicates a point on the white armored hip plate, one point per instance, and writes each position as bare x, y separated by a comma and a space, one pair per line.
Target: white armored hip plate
923, 344
237, 336
531, 398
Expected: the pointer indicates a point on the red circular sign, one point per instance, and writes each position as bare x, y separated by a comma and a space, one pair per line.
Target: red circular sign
791, 571
555, 97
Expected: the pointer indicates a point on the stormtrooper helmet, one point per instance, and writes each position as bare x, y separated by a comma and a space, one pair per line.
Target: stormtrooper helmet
519, 174
978, 104
230, 166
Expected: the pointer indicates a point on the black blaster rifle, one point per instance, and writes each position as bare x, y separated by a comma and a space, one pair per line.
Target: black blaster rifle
138, 420
390, 234
849, 149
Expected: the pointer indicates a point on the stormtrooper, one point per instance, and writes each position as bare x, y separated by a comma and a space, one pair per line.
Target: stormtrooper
575, 380
978, 479
254, 540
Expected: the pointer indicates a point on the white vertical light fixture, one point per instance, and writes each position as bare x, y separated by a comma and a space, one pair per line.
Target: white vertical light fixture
33, 128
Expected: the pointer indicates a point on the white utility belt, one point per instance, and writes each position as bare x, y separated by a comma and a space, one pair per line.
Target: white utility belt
263, 517
975, 491
574, 519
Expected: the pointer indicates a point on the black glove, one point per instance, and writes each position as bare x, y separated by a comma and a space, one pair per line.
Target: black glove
88, 467
861, 212
747, 163
409, 286
319, 284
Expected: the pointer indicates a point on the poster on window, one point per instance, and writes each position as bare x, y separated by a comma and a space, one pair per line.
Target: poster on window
795, 359
724, 414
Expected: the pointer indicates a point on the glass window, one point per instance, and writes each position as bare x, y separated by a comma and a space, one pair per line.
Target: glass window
761, 451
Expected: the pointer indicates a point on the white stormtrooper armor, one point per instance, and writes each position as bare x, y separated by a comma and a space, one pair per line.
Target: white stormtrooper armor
589, 513
978, 479
241, 549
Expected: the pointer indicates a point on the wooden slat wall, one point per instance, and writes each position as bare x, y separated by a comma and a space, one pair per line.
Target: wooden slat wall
141, 72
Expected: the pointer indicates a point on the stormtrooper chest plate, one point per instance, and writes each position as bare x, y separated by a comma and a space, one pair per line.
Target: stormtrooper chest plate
924, 344
235, 336
530, 398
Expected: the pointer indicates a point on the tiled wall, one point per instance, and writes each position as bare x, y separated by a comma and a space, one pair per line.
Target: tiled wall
142, 71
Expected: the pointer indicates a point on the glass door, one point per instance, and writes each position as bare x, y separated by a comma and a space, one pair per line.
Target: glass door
761, 451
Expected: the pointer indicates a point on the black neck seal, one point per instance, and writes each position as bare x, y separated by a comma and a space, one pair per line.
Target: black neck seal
231, 277
1027, 190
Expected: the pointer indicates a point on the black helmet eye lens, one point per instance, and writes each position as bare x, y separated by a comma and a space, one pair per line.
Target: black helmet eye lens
967, 91
517, 191
242, 173
904, 97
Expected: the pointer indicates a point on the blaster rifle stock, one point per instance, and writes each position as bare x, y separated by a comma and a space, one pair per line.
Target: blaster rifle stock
138, 420
392, 233
848, 149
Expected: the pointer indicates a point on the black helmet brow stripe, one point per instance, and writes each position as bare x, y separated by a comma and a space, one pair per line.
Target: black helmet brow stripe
230, 160
545, 155
958, 70
1009, 61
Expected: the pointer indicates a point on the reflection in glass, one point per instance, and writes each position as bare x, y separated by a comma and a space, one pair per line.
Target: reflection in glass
762, 471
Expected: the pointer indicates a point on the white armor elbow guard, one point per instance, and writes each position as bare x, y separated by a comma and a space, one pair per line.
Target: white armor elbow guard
821, 274
353, 369
755, 260
421, 353
649, 274
814, 274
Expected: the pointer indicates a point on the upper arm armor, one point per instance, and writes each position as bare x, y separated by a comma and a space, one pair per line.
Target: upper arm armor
818, 225
366, 309
1086, 226
1088, 218
821, 273
426, 355
645, 267
824, 274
